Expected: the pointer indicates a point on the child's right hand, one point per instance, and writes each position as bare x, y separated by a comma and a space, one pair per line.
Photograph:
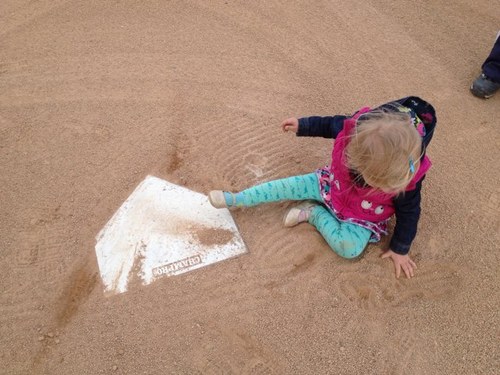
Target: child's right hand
401, 262
290, 125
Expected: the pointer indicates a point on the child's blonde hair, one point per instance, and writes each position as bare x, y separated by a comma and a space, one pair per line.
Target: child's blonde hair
385, 149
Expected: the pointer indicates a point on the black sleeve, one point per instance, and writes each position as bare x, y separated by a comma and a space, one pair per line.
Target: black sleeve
407, 208
326, 127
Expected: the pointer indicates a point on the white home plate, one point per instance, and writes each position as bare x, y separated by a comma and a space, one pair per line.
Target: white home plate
163, 229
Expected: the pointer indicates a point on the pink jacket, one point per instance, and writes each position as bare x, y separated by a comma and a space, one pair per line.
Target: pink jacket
352, 201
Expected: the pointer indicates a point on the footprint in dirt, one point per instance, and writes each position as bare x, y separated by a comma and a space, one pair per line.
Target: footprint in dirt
369, 291
247, 354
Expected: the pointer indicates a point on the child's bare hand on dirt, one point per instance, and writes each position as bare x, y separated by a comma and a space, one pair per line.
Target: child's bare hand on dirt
290, 125
401, 262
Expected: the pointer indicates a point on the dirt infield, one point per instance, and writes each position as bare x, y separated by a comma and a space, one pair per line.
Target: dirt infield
95, 96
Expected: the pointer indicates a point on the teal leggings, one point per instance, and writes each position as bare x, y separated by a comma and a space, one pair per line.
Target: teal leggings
346, 239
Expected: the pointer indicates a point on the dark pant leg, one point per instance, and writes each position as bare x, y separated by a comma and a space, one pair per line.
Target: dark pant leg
491, 66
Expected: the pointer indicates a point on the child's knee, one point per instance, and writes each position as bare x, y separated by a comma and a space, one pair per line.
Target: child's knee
349, 249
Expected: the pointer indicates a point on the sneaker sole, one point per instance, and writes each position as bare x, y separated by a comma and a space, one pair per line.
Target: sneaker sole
216, 199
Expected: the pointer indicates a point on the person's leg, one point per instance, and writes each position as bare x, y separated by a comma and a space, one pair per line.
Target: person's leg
488, 82
346, 239
302, 187
491, 66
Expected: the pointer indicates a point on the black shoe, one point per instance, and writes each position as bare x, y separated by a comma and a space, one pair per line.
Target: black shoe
483, 87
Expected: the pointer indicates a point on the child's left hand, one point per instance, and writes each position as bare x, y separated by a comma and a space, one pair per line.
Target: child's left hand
401, 261
290, 125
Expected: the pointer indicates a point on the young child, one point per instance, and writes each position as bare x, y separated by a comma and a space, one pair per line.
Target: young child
377, 168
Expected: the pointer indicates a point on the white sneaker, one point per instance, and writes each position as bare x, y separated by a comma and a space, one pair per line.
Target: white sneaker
217, 199
299, 213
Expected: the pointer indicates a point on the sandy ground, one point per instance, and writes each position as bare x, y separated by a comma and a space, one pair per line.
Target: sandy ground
94, 96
